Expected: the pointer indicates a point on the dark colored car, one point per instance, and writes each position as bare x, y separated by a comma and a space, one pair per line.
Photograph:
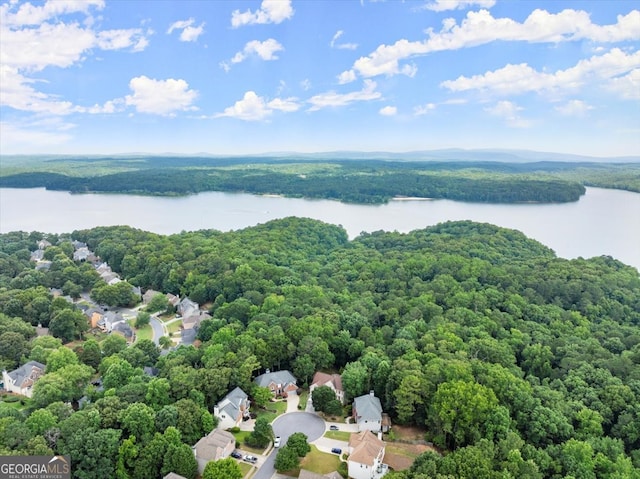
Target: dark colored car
333, 427
236, 455
336, 450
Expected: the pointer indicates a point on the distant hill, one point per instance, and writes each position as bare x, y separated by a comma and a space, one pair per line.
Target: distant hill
449, 154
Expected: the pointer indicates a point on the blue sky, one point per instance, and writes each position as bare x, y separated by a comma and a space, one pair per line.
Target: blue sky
239, 77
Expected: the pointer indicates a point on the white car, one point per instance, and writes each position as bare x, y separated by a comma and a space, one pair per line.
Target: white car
276, 442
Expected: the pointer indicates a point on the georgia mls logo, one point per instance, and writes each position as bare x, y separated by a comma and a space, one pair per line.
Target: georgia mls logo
35, 467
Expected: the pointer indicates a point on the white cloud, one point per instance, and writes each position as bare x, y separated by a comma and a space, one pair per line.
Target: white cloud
347, 77
284, 104
255, 108
28, 14
341, 46
574, 108
120, 39
424, 109
29, 44
479, 28
627, 86
160, 97
517, 79
265, 50
333, 99
442, 5
189, 32
270, 11
17, 93
509, 111
388, 111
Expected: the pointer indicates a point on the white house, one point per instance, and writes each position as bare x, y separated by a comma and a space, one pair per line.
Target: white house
367, 412
21, 380
232, 408
366, 452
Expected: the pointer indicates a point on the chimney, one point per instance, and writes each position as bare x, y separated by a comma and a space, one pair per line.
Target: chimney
267, 371
371, 393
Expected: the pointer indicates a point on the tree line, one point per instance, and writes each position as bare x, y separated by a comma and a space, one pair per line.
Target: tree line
515, 362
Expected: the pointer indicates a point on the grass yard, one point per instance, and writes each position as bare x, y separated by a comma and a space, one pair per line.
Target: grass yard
274, 409
240, 437
244, 468
144, 333
173, 327
304, 397
338, 435
15, 402
320, 462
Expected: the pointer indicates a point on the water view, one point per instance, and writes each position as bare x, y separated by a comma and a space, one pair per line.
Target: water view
603, 222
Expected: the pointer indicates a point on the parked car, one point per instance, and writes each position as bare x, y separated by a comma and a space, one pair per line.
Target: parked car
333, 427
251, 459
236, 455
336, 450
276, 442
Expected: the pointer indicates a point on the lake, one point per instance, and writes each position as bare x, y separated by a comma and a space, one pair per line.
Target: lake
603, 222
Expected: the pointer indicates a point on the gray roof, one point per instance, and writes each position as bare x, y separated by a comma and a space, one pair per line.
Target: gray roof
232, 401
123, 328
27, 372
368, 407
279, 377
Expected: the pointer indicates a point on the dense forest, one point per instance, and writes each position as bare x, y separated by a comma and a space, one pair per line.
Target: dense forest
355, 181
515, 363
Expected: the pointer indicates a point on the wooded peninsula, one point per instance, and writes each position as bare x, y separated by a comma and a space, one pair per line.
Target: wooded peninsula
512, 362
366, 181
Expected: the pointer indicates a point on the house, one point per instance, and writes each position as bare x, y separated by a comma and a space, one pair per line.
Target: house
218, 444
187, 308
232, 409
43, 244
95, 315
123, 329
279, 382
367, 412
304, 474
148, 295
105, 324
193, 321
21, 380
366, 452
81, 254
173, 300
37, 255
334, 381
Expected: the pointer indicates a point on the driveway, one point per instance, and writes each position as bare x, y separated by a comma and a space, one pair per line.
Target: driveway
285, 425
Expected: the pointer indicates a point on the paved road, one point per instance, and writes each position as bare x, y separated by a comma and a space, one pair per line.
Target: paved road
158, 330
285, 425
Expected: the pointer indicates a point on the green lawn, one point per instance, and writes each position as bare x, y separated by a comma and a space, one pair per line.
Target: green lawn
320, 462
274, 409
244, 468
304, 397
173, 327
144, 333
338, 435
240, 437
